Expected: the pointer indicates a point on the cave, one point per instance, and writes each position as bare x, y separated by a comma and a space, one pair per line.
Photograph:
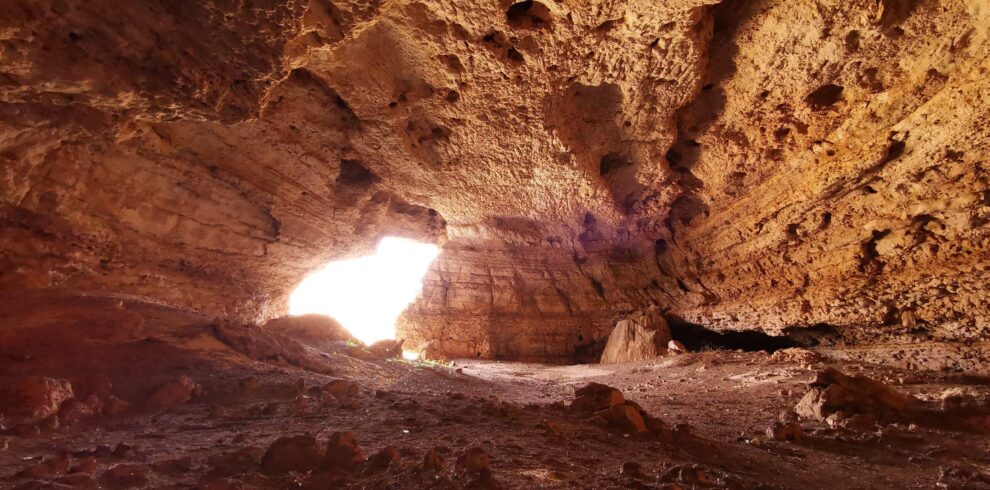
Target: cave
513, 244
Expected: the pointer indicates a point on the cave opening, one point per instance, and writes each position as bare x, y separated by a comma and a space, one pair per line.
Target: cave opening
367, 294
697, 337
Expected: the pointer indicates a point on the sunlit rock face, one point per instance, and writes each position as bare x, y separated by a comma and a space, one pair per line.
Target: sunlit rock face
742, 165
841, 175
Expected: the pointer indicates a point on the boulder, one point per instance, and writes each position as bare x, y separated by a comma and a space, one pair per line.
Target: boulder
34, 397
786, 431
384, 458
833, 392
296, 453
319, 331
475, 460
596, 396
795, 355
342, 388
343, 452
608, 405
173, 392
639, 337
433, 461
626, 417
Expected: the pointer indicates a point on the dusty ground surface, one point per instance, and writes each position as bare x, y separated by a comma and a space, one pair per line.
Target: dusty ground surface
516, 413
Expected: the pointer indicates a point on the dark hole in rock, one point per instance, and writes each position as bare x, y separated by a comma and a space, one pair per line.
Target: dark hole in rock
595, 283
515, 55
453, 62
697, 337
352, 172
588, 352
661, 246
497, 38
608, 25
852, 41
528, 14
819, 334
612, 162
894, 151
825, 96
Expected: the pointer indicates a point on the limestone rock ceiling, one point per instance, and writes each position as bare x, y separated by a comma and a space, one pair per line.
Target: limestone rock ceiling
842, 173
745, 164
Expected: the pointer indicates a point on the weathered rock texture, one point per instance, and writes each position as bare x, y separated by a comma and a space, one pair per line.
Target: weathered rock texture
758, 164
641, 336
839, 156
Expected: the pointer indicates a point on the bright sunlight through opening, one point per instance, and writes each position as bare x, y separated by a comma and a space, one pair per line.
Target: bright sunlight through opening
367, 295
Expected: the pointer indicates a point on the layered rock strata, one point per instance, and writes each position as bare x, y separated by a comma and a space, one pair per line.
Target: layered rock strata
749, 164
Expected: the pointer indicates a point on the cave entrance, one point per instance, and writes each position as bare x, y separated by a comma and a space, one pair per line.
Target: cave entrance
367, 294
696, 338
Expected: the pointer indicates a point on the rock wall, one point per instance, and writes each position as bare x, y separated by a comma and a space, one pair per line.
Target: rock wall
528, 299
209, 155
841, 177
744, 164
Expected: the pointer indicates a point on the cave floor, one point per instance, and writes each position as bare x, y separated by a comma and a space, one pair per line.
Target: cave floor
515, 412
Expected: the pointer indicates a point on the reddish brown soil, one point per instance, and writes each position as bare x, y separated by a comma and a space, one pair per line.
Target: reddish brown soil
515, 412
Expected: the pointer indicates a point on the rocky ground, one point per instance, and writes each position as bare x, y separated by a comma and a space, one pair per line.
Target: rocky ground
116, 392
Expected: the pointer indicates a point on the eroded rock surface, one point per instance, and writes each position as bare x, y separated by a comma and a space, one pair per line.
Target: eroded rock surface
744, 164
639, 337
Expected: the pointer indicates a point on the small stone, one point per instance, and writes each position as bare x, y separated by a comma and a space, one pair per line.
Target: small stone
34, 397
786, 431
433, 461
123, 450
74, 410
626, 417
692, 475
475, 460
384, 458
676, 347
795, 355
343, 451
113, 406
48, 424
633, 470
174, 392
342, 388
595, 396
48, 469
958, 399
861, 422
296, 453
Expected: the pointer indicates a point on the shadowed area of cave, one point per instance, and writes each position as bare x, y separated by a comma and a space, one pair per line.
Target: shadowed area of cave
697, 338
665, 245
